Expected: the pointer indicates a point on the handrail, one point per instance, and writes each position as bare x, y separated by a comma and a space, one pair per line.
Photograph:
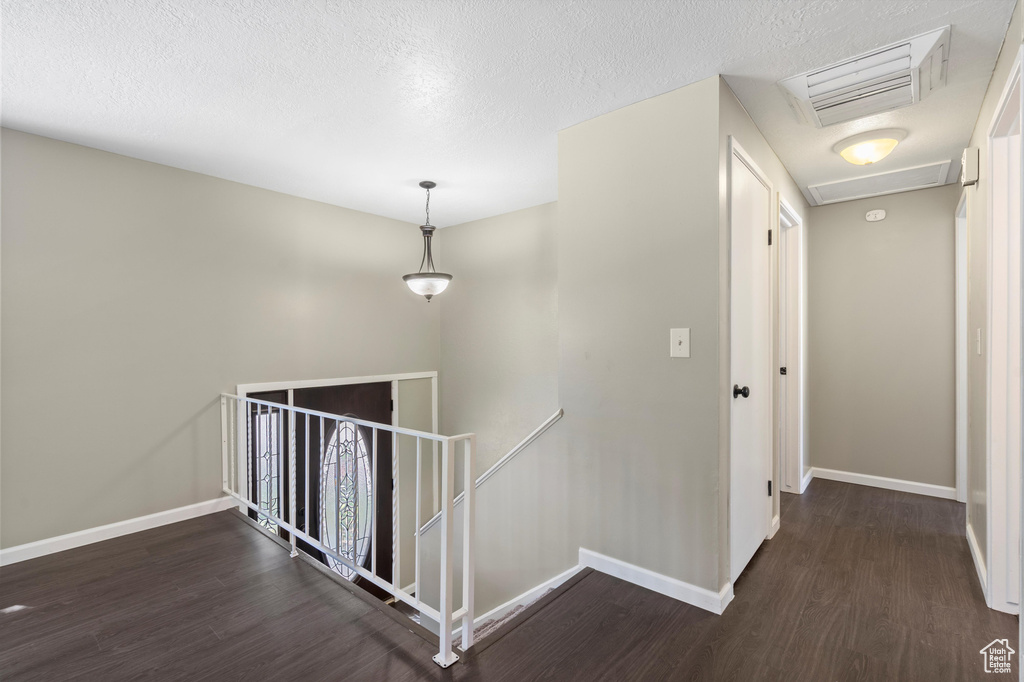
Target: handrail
522, 445
259, 460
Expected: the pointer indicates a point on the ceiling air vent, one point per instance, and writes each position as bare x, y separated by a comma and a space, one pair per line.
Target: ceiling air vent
903, 180
889, 78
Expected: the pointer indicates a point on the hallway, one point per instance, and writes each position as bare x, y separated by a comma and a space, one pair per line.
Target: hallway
859, 584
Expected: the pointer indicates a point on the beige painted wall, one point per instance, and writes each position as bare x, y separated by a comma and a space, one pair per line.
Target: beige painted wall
638, 254
499, 379
134, 293
632, 470
499, 329
977, 310
881, 311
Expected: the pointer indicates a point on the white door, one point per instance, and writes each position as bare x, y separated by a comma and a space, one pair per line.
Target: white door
751, 421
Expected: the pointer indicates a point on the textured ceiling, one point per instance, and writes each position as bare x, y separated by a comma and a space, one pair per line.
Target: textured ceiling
939, 127
353, 103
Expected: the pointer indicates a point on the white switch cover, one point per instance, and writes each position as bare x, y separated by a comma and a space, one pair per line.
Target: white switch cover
680, 343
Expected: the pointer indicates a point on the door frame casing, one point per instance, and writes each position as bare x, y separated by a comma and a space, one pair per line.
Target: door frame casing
244, 389
791, 344
962, 344
1003, 476
738, 153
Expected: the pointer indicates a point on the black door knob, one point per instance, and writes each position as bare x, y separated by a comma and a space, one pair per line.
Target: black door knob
737, 391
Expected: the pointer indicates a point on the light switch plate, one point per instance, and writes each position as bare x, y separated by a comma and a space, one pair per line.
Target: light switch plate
680, 347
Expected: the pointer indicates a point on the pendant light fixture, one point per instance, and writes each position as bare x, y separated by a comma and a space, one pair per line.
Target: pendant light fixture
427, 283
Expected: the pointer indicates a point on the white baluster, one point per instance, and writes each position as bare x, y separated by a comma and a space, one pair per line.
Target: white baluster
292, 475
224, 444
419, 503
396, 507
336, 441
468, 540
373, 507
306, 497
446, 656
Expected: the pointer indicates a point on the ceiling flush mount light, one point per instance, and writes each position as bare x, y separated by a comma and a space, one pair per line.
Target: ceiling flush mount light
869, 147
427, 283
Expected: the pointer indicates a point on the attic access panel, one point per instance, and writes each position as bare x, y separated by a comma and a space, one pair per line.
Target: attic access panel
903, 180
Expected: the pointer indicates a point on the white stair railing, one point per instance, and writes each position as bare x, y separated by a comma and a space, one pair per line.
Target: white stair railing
258, 459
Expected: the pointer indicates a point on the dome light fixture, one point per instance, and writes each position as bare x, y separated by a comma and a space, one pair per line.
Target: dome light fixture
427, 283
869, 147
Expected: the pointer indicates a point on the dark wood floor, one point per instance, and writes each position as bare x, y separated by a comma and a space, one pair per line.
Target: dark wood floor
859, 584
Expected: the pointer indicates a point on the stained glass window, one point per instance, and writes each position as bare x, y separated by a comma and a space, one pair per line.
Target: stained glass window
345, 497
268, 467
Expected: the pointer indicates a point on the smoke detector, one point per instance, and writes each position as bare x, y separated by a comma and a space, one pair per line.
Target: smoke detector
891, 77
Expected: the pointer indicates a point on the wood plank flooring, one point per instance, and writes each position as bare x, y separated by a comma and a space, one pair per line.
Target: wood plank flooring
859, 584
206, 599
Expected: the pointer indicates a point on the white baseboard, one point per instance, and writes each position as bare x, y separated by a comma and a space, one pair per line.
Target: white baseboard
529, 596
725, 596
715, 602
31, 550
776, 522
410, 588
945, 492
677, 589
808, 477
979, 563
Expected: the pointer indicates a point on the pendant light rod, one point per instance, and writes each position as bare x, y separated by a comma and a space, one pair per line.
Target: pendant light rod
428, 185
428, 255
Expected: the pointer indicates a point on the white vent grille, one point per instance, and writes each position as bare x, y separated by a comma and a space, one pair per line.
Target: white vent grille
903, 180
892, 77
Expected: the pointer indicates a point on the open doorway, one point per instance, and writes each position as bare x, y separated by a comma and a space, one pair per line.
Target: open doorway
794, 472
1003, 432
